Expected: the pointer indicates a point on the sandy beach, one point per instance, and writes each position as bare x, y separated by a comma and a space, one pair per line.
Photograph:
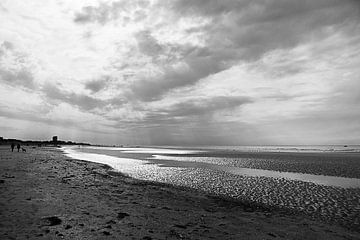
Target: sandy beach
46, 195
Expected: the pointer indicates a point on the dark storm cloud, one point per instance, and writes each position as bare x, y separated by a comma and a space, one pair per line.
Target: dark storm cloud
197, 64
242, 31
270, 9
237, 32
253, 28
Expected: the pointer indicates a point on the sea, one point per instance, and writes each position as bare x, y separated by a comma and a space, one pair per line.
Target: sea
318, 180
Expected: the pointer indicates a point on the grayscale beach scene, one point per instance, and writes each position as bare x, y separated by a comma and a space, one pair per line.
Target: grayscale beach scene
179, 119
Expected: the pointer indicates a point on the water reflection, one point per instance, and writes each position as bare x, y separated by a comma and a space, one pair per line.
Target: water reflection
134, 166
343, 182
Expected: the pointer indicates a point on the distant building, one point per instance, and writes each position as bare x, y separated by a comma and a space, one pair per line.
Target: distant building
55, 139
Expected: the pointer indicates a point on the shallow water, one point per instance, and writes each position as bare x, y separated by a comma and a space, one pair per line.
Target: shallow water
282, 148
120, 164
343, 182
144, 150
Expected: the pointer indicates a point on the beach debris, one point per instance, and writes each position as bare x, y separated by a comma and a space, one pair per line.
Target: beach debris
68, 226
2, 181
122, 215
52, 221
106, 233
147, 238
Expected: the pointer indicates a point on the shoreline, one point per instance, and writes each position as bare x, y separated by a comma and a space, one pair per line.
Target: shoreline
279, 160
93, 201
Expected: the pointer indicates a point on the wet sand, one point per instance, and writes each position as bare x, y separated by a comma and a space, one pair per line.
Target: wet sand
45, 195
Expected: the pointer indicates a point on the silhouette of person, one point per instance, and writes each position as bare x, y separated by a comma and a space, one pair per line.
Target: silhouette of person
12, 147
18, 147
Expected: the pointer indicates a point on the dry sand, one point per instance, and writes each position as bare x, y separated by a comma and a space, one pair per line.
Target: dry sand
45, 195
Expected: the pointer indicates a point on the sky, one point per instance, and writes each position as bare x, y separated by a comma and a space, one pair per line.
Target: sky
181, 72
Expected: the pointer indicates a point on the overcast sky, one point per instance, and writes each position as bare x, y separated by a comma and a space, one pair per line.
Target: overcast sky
223, 72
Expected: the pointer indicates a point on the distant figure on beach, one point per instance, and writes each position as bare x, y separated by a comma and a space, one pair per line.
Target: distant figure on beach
12, 147
18, 147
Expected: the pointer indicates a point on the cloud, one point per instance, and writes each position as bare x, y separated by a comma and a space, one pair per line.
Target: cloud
22, 78
190, 111
196, 107
101, 14
239, 32
2, 8
254, 28
6, 46
207, 7
230, 32
104, 13
33, 117
194, 66
183, 69
14, 69
97, 85
56, 117
148, 44
82, 101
